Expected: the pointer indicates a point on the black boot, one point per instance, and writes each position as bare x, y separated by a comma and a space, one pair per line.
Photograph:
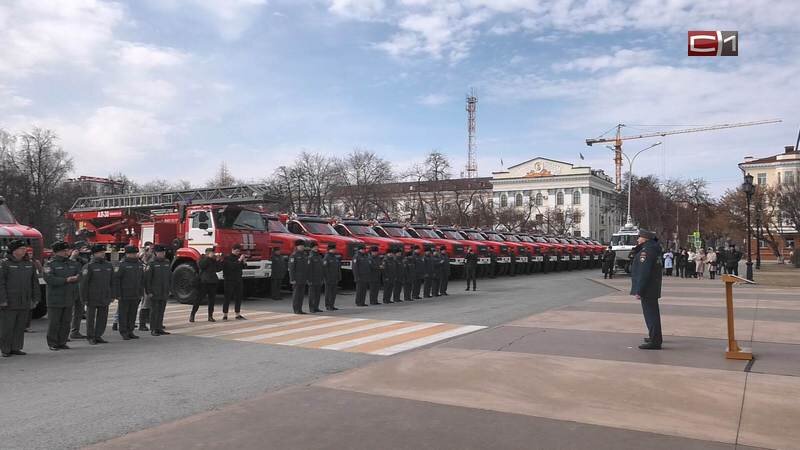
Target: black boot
143, 316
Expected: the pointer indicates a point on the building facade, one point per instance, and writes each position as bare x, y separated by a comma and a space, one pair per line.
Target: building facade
580, 199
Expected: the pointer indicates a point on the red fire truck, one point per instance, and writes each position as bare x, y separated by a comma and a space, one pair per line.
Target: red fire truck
320, 228
281, 238
363, 231
187, 222
397, 231
11, 230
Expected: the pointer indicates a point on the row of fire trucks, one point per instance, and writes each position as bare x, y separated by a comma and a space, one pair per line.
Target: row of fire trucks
191, 221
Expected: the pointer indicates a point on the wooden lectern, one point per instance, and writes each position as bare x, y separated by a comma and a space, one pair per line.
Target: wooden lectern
734, 351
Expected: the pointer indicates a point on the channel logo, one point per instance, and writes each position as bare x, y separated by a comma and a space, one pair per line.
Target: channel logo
713, 43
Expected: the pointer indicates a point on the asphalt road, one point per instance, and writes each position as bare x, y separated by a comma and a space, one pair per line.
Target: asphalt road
67, 399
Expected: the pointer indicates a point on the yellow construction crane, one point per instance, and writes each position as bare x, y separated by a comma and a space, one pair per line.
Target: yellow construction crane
617, 140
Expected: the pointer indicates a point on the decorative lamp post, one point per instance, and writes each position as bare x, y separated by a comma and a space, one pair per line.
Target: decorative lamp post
758, 233
749, 189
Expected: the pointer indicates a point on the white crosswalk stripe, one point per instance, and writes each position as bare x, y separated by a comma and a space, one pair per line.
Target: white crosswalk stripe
426, 340
298, 330
319, 337
379, 336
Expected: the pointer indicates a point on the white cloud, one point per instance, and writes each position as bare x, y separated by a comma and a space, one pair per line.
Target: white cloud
230, 18
433, 99
148, 57
358, 9
619, 59
11, 101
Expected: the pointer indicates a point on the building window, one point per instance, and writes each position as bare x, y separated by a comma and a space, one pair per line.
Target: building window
576, 217
539, 218
518, 200
761, 179
503, 200
602, 219
576, 198
560, 199
576, 233
788, 178
539, 199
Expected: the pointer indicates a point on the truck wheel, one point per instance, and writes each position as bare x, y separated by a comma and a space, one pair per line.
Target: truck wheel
184, 283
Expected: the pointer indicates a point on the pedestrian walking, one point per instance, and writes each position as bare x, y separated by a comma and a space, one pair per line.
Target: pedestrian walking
97, 290
147, 256
129, 290
419, 273
232, 268
158, 283
609, 259
361, 275
444, 274
62, 276
400, 276
209, 265
299, 272
315, 279
389, 277
711, 258
376, 267
279, 269
669, 259
19, 290
471, 268
82, 254
332, 269
646, 270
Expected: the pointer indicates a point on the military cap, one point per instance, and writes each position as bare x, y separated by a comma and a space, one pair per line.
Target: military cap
159, 248
131, 249
97, 248
647, 234
374, 248
237, 246
331, 246
59, 246
15, 244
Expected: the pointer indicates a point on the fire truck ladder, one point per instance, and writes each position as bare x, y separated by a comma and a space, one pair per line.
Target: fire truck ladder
245, 194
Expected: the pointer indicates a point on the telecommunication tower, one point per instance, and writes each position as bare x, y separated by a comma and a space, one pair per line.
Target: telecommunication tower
472, 163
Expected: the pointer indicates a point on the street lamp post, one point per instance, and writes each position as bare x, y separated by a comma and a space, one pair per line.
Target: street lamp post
758, 233
749, 189
629, 220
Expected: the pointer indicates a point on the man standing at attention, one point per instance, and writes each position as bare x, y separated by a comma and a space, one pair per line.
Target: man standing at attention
61, 275
332, 267
158, 283
299, 272
96, 287
19, 289
646, 285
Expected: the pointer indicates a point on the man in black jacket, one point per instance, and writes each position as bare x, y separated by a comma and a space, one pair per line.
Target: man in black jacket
298, 275
332, 268
444, 271
19, 290
209, 265
409, 277
129, 290
376, 266
362, 269
420, 273
646, 276
97, 290
399, 275
62, 276
278, 273
609, 258
470, 267
389, 276
232, 267
158, 284
428, 267
315, 278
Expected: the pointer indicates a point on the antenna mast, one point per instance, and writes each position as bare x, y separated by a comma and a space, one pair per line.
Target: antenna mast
472, 163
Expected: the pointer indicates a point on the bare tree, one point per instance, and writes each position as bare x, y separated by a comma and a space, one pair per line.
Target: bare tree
789, 204
223, 177
360, 174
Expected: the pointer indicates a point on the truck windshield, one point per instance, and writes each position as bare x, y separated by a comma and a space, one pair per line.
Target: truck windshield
526, 239
511, 238
276, 226
495, 237
320, 228
623, 239
5, 215
427, 234
362, 230
396, 232
475, 236
239, 219
453, 235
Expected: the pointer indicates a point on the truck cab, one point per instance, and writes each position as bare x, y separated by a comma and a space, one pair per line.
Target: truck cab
11, 230
398, 232
519, 251
281, 238
454, 248
320, 228
363, 231
499, 252
534, 255
479, 248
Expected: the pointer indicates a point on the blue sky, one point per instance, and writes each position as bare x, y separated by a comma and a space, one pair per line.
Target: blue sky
171, 88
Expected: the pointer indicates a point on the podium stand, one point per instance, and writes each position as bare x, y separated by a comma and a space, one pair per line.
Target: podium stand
734, 351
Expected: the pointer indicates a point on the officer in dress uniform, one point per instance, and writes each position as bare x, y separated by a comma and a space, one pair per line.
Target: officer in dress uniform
436, 273
409, 277
147, 256
209, 265
97, 290
646, 285
278, 273
375, 268
315, 278
389, 276
298, 275
470, 267
19, 290
82, 254
232, 267
444, 276
420, 273
129, 290
428, 265
362, 268
332, 268
62, 276
158, 283
399, 275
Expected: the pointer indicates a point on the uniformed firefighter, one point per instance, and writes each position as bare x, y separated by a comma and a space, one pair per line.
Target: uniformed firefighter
232, 269
389, 277
97, 291
158, 283
62, 276
609, 259
419, 273
409, 276
129, 290
298, 275
444, 276
646, 285
399, 276
315, 278
279, 269
362, 267
376, 267
436, 273
470, 268
19, 290
209, 265
332, 268
428, 265
147, 256
81, 255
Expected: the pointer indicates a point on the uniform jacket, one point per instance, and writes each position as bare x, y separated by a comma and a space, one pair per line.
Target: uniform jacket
732, 257
208, 269
232, 268
279, 266
129, 280
60, 293
609, 256
362, 268
299, 270
433, 266
375, 268
158, 279
409, 269
646, 271
471, 259
332, 268
97, 283
390, 267
316, 274
421, 267
19, 284
445, 268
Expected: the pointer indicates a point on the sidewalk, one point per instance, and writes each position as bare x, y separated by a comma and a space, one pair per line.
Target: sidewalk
565, 378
